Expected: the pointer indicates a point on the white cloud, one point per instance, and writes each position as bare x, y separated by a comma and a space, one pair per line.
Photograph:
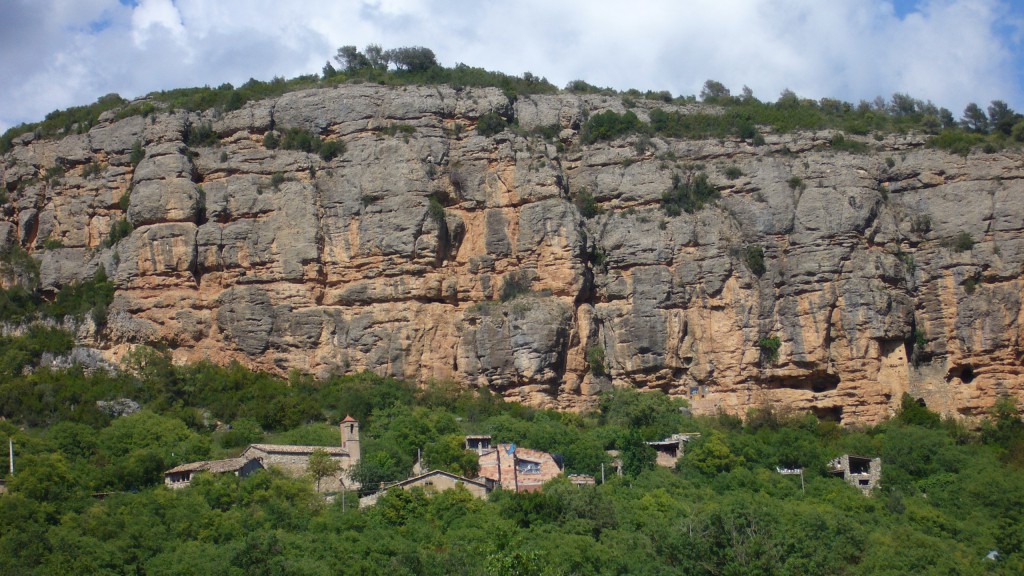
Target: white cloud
152, 15
59, 53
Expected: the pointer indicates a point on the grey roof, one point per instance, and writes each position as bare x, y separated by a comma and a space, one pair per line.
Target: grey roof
287, 449
215, 466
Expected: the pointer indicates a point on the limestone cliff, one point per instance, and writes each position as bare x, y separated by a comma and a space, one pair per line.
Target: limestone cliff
895, 270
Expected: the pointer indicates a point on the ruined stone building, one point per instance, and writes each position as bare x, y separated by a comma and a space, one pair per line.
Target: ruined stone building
478, 444
671, 449
859, 471
181, 476
519, 469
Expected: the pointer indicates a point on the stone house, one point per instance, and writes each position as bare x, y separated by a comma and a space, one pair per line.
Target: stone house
431, 482
294, 460
478, 444
181, 476
671, 449
519, 469
859, 471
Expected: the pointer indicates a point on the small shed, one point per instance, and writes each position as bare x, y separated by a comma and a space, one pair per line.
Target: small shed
181, 476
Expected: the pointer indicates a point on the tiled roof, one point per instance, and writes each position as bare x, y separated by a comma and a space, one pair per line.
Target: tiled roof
215, 466
456, 477
287, 449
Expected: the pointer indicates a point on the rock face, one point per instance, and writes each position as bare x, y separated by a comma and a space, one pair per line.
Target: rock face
897, 270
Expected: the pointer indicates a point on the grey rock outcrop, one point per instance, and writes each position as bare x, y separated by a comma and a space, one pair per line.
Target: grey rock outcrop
401, 256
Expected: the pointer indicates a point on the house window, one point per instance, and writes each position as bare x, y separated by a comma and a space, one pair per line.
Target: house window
527, 467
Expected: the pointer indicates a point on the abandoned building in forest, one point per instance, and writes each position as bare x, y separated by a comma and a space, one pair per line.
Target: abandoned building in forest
671, 449
859, 471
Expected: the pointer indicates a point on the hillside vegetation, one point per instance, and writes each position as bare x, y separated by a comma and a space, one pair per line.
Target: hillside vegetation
948, 495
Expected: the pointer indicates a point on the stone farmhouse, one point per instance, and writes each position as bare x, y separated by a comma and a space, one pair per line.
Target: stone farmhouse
519, 469
291, 460
181, 476
294, 460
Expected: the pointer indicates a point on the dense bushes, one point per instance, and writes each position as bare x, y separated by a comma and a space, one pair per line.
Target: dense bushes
305, 141
688, 194
490, 123
609, 125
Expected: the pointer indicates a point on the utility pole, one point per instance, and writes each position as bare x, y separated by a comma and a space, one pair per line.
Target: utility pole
602, 472
10, 452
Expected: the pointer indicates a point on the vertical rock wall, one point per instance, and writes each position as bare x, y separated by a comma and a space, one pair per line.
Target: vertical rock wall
394, 257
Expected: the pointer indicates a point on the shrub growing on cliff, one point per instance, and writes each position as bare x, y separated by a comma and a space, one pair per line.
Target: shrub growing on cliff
277, 179
331, 149
138, 153
515, 284
304, 141
733, 172
753, 257
201, 135
962, 242
490, 124
78, 299
595, 360
769, 347
689, 194
586, 203
609, 125
436, 210
841, 144
118, 230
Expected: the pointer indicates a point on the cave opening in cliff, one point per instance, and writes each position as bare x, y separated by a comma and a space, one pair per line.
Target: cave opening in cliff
967, 374
964, 373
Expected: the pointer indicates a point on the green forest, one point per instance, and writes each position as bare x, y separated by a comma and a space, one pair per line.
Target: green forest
87, 496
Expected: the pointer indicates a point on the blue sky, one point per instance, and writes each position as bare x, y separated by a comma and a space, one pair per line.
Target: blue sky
60, 53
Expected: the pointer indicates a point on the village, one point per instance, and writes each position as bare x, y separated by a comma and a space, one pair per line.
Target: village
501, 466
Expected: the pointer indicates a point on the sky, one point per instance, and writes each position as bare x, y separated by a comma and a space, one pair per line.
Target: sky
60, 53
